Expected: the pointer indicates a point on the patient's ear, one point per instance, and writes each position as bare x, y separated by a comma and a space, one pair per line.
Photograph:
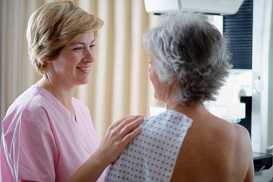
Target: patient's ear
174, 84
172, 90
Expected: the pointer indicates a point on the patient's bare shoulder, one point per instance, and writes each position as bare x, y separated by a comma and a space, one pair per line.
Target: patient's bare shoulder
213, 150
244, 152
242, 140
230, 133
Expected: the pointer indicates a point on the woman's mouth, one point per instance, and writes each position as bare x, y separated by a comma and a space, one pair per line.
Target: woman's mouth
84, 69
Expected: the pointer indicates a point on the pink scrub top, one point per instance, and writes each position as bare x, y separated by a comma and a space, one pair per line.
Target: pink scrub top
42, 140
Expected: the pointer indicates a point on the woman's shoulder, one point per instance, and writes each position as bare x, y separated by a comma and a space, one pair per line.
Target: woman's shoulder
31, 103
169, 115
230, 136
28, 114
242, 135
232, 129
167, 123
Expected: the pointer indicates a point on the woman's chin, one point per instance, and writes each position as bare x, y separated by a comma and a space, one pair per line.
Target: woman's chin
82, 81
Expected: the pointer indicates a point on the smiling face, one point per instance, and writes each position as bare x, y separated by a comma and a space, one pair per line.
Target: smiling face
74, 62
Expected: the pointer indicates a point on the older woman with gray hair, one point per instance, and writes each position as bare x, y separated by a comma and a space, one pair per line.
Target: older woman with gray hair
189, 62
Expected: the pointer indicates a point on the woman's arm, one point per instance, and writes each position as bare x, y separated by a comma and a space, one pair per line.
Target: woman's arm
117, 137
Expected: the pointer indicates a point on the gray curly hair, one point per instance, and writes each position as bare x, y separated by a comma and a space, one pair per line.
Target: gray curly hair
186, 47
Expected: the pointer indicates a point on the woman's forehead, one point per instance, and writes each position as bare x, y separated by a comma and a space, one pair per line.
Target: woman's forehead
86, 37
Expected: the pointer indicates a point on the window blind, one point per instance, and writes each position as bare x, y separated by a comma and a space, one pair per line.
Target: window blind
238, 29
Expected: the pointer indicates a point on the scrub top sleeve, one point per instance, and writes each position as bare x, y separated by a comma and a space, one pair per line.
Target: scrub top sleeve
37, 148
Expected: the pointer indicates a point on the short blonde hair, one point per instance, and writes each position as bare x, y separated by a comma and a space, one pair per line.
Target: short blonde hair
52, 26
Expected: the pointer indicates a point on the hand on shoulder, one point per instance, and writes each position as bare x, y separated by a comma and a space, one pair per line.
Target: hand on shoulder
118, 136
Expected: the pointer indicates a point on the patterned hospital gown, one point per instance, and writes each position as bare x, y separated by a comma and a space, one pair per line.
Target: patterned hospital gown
152, 155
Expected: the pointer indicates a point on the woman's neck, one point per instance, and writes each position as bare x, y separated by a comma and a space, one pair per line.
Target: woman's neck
62, 93
192, 110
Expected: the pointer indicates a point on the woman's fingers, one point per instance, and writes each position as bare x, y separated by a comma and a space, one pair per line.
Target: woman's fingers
130, 136
129, 127
126, 119
124, 126
119, 135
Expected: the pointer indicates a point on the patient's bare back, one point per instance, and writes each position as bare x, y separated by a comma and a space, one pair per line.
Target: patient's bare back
214, 150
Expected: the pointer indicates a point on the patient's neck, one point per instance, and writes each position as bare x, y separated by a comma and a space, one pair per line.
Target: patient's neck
190, 110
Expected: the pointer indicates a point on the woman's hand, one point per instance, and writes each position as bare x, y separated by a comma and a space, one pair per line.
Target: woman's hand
118, 136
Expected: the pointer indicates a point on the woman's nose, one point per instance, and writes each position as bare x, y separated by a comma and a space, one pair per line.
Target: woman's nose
88, 55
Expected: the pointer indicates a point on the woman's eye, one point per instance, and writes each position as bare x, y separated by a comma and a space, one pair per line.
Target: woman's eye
77, 48
92, 45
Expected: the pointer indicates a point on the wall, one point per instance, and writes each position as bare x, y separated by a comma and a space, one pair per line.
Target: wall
262, 76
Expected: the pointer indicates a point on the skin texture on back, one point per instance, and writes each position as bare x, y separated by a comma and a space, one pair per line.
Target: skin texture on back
214, 150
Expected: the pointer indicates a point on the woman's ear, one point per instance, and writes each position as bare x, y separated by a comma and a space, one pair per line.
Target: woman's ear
48, 61
174, 86
45, 64
174, 83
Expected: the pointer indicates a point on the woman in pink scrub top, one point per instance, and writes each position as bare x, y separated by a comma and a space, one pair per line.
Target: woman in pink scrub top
47, 135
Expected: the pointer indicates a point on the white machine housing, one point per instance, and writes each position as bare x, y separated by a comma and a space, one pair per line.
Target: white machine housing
219, 7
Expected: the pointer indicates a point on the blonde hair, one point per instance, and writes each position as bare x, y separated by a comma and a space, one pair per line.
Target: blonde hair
52, 26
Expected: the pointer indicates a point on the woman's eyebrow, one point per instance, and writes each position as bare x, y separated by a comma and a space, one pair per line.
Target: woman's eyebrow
83, 43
